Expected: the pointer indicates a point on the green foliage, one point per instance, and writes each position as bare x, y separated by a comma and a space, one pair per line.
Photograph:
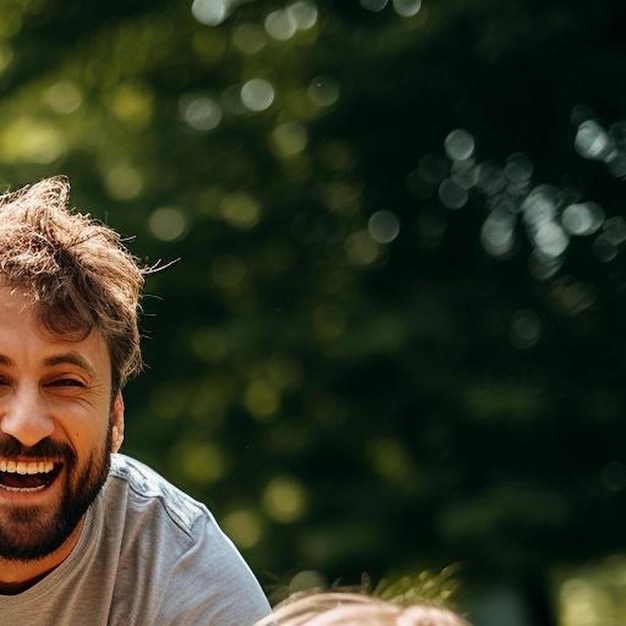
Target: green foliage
372, 355
427, 587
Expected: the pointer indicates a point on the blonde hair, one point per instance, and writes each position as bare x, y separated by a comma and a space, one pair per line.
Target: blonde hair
77, 271
356, 609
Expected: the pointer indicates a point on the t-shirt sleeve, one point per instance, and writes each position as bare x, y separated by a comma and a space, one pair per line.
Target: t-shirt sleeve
211, 584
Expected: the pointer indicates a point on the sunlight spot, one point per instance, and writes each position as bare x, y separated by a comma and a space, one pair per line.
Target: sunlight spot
123, 181
459, 145
285, 499
211, 12
525, 329
201, 113
262, 399
280, 25
518, 168
63, 97
257, 94
132, 103
307, 579
290, 138
383, 226
167, 223
30, 140
202, 463
407, 8
551, 239
249, 38
303, 13
593, 142
582, 219
539, 207
374, 5
390, 459
323, 91
244, 526
498, 233
240, 210
361, 248
452, 195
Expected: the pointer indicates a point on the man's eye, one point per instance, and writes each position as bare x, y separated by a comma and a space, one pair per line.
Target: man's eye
66, 382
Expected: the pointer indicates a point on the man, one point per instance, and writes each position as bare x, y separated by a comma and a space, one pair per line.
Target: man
87, 535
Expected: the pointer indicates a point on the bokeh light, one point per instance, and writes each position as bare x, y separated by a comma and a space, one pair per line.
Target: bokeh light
285, 499
262, 399
201, 463
303, 13
383, 226
498, 233
123, 181
249, 38
323, 91
167, 223
201, 113
459, 145
240, 210
525, 329
593, 142
29, 140
257, 94
407, 8
374, 5
280, 25
361, 248
64, 97
244, 526
452, 195
211, 12
583, 218
289, 138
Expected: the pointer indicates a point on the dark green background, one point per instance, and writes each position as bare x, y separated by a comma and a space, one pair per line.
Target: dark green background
344, 405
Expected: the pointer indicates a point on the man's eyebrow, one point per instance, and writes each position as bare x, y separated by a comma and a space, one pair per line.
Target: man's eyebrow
71, 358
6, 361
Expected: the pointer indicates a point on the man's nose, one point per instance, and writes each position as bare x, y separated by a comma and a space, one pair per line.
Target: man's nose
24, 417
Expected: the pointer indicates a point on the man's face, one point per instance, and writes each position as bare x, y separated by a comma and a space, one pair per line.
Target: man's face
58, 425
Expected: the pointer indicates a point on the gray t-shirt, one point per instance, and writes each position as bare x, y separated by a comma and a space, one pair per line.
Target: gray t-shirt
148, 555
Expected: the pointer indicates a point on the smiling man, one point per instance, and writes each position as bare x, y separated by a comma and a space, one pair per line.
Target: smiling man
88, 535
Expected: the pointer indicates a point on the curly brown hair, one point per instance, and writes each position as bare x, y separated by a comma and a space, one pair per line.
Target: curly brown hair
77, 270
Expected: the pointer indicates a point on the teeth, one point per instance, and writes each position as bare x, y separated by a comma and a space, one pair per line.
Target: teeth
26, 467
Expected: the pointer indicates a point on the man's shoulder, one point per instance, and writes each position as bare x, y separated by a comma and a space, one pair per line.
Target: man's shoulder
148, 489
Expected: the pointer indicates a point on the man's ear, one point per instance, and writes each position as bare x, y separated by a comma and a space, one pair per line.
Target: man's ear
117, 423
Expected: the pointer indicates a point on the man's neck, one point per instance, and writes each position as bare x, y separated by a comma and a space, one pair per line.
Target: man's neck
18, 576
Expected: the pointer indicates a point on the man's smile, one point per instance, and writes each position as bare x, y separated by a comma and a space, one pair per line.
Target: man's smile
27, 476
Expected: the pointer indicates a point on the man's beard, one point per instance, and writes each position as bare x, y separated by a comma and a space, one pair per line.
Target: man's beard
30, 533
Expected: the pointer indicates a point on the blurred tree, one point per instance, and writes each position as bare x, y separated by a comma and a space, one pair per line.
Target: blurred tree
392, 340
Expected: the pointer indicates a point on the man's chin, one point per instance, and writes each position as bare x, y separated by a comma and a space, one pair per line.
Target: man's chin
28, 537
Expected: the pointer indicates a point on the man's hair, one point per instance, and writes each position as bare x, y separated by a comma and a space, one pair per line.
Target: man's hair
342, 608
77, 271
